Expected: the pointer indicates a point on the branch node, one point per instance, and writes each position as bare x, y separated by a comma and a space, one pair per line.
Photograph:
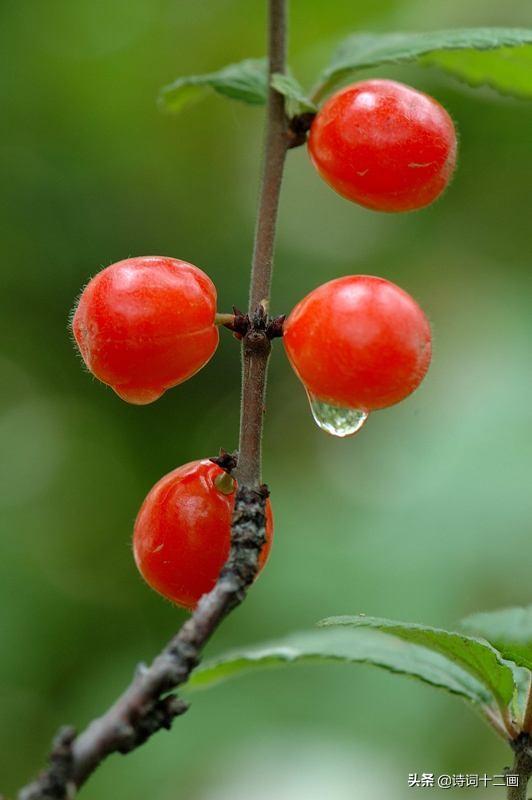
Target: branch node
244, 325
140, 670
158, 716
183, 653
240, 324
274, 329
227, 461
259, 318
522, 744
298, 128
55, 783
256, 341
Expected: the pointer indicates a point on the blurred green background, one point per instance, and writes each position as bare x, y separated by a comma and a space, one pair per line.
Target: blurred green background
425, 516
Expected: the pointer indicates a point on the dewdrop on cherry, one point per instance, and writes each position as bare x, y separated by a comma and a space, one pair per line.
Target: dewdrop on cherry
358, 344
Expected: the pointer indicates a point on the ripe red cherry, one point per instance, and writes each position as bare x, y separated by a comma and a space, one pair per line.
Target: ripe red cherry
358, 342
183, 532
384, 145
146, 324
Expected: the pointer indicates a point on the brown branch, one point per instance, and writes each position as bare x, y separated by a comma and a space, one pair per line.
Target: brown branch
522, 767
275, 153
527, 716
146, 705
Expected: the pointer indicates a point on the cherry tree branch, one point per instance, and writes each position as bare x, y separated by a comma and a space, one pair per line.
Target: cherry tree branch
148, 705
522, 767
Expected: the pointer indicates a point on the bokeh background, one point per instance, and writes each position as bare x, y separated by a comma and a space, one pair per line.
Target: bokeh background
425, 516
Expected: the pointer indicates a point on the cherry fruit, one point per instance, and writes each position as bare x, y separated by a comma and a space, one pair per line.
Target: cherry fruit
358, 344
182, 533
146, 324
384, 145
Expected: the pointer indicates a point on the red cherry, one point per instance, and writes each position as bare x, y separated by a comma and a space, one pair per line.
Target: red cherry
183, 532
384, 145
358, 342
146, 324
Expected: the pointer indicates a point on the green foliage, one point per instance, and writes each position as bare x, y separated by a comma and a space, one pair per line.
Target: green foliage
461, 664
509, 630
494, 56
474, 655
244, 81
366, 647
508, 70
498, 57
296, 100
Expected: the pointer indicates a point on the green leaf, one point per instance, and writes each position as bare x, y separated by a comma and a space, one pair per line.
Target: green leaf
245, 81
474, 655
296, 100
508, 70
366, 647
509, 630
494, 56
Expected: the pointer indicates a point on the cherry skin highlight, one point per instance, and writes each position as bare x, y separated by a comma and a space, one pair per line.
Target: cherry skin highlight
146, 324
384, 145
358, 342
182, 533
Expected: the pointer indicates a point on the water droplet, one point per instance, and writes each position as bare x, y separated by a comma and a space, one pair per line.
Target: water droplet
335, 420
